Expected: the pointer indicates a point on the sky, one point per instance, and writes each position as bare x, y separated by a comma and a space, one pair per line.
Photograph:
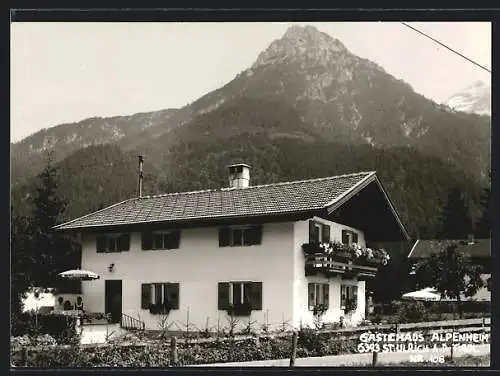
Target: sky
67, 72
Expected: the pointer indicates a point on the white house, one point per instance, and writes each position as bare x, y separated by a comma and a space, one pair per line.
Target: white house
250, 251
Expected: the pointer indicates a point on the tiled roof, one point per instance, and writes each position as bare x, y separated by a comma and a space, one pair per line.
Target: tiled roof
270, 199
424, 248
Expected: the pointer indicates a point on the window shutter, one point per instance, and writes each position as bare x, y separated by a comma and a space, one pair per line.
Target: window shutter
145, 295
326, 294
146, 240
223, 296
326, 234
354, 237
310, 295
224, 235
253, 235
311, 232
158, 293
345, 237
354, 291
176, 239
124, 242
258, 234
172, 294
101, 243
256, 296
343, 295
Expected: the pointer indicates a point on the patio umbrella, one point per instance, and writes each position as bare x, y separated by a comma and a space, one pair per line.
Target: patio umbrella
427, 294
82, 275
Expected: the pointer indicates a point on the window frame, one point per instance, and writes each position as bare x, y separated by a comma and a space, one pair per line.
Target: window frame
349, 290
113, 238
149, 237
154, 294
351, 235
244, 236
245, 239
319, 294
164, 235
250, 295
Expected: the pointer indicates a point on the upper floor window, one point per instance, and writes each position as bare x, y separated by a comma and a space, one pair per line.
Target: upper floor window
160, 240
318, 232
240, 236
113, 243
349, 237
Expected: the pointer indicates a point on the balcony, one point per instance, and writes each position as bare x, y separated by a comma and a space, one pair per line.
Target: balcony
343, 259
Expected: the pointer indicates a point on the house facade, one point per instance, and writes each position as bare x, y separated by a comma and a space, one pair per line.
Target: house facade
268, 254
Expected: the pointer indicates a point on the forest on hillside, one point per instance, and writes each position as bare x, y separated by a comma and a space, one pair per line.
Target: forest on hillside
98, 176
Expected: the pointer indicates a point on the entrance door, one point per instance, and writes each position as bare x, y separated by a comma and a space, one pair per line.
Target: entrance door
113, 299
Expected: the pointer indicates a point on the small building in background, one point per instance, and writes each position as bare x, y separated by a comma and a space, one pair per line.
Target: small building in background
478, 250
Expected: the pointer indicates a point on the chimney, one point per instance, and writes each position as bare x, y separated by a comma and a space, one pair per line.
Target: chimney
239, 175
141, 162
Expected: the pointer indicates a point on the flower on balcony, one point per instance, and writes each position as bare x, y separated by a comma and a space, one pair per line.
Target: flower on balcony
369, 253
352, 251
357, 250
327, 248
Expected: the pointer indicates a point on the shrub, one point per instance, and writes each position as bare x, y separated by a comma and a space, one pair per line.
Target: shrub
60, 327
411, 312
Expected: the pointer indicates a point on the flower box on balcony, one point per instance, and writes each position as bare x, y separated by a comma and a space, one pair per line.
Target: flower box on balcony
311, 248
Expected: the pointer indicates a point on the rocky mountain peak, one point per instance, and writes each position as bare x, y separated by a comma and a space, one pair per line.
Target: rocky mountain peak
302, 43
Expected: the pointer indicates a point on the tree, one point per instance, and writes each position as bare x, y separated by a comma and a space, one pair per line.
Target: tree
483, 227
456, 220
21, 261
450, 272
39, 254
53, 252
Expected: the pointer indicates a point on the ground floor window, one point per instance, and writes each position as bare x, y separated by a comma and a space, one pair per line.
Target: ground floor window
348, 297
318, 294
160, 296
241, 295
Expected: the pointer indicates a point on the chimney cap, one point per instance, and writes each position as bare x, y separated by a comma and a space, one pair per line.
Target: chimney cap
238, 165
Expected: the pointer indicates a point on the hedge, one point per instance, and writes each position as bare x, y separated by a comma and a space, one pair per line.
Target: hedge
310, 343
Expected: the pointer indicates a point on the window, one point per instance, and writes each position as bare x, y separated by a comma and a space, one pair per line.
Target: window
234, 294
318, 293
240, 236
319, 232
348, 297
160, 294
113, 243
349, 237
160, 240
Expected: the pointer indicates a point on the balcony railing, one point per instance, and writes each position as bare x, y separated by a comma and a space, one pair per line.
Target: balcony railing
344, 259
